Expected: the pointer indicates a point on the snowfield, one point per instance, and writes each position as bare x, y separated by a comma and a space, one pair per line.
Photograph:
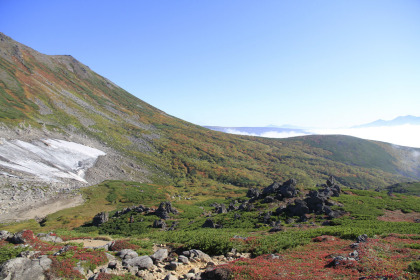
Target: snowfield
48, 159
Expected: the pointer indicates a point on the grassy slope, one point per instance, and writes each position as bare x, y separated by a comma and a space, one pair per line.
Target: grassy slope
177, 152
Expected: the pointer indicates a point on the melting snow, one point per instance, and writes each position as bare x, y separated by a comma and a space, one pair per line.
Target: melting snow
49, 159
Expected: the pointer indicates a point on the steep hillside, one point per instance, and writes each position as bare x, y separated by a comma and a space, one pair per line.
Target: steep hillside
57, 97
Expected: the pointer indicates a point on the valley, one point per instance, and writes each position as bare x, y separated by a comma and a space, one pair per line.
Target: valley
81, 158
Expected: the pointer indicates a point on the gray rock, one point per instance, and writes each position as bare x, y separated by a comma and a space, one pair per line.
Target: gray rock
160, 255
220, 273
49, 238
170, 277
18, 238
24, 268
173, 265
165, 208
112, 265
199, 255
159, 224
183, 259
127, 254
362, 238
143, 262
189, 276
5, 235
100, 218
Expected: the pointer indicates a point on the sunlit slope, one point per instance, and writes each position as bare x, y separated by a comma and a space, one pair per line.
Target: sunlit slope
58, 93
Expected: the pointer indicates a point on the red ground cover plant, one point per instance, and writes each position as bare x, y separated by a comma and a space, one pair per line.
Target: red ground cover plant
63, 264
119, 245
386, 257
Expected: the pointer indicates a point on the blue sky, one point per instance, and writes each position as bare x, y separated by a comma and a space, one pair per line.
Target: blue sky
312, 63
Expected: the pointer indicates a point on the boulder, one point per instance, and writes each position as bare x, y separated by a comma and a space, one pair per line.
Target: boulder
362, 238
143, 262
331, 181
219, 273
288, 189
183, 259
199, 255
160, 255
23, 268
220, 209
21, 237
159, 224
232, 207
127, 254
165, 208
253, 193
209, 223
100, 218
271, 189
5, 235
170, 277
298, 209
50, 237
269, 199
276, 228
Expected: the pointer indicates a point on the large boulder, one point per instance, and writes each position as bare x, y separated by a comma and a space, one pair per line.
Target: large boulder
221, 209
165, 208
288, 189
4, 234
100, 218
253, 193
143, 262
159, 224
209, 223
127, 254
160, 255
298, 209
24, 268
271, 189
219, 273
198, 255
21, 237
49, 237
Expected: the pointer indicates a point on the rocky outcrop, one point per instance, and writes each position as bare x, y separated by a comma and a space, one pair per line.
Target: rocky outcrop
100, 218
165, 208
24, 268
49, 237
317, 201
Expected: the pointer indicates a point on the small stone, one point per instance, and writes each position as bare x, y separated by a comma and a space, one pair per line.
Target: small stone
183, 259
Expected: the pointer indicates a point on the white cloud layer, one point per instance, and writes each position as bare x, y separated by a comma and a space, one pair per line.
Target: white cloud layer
268, 134
403, 135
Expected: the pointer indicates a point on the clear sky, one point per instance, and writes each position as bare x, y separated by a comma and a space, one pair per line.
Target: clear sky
311, 63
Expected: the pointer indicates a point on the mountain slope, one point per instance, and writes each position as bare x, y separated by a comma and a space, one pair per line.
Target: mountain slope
58, 97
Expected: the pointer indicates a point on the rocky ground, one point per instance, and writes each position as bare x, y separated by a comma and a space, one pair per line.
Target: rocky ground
39, 259
24, 196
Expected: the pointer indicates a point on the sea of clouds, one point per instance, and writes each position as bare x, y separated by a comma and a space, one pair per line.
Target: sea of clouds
403, 135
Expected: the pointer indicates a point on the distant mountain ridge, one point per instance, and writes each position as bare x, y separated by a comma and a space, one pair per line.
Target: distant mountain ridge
401, 120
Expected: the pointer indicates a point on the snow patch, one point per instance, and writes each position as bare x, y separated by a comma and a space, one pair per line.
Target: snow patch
49, 159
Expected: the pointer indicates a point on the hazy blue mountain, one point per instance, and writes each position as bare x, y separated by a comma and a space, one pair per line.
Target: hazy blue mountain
413, 120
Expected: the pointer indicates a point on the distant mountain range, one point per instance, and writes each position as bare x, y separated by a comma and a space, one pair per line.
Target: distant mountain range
402, 120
